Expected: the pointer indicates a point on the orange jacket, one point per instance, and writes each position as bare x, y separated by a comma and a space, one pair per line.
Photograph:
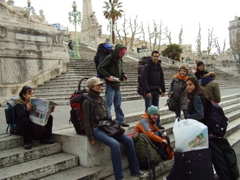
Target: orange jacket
149, 128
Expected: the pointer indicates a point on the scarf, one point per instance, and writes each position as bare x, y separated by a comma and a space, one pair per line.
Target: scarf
180, 77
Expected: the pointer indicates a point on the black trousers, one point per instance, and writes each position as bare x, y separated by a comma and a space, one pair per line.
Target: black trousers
31, 131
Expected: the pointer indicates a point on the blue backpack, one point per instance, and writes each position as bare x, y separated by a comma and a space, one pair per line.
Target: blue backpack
216, 120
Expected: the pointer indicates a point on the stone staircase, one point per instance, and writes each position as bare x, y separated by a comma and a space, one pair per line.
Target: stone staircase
72, 157
59, 89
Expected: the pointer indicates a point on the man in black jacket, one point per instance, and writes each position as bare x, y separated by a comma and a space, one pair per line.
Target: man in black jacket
153, 82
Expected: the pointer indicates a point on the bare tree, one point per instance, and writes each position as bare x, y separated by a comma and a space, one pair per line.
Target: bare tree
210, 41
154, 36
216, 45
180, 36
198, 40
135, 29
123, 38
144, 35
168, 35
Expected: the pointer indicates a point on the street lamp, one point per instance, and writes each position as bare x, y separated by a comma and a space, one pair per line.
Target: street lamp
29, 8
110, 28
76, 20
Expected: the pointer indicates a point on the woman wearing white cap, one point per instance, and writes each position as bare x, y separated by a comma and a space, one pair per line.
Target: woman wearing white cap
94, 133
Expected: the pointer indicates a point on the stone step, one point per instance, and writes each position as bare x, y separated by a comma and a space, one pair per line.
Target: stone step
8, 141
40, 167
19, 155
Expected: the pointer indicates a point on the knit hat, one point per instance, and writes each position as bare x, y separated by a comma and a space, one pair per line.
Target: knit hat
93, 81
153, 110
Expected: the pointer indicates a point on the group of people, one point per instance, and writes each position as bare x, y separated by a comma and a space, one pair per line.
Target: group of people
187, 90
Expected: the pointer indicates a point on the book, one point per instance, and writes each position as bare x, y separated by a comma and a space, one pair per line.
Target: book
41, 110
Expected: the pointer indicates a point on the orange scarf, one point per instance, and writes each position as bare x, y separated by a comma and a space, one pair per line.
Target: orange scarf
180, 77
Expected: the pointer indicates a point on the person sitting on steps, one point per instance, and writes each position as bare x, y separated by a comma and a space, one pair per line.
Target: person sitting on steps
94, 133
25, 127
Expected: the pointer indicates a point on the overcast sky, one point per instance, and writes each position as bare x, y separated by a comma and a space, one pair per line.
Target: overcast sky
214, 14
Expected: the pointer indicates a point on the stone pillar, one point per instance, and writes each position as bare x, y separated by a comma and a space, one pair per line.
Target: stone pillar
86, 13
90, 27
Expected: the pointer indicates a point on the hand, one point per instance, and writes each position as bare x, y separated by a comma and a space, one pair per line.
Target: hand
93, 142
110, 78
164, 134
29, 106
149, 95
164, 141
52, 109
125, 77
169, 95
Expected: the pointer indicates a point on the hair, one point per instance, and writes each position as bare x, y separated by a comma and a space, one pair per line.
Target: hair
155, 52
185, 68
25, 90
199, 63
210, 74
198, 88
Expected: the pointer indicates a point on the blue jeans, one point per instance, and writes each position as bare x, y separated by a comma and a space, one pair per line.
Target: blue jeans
113, 143
114, 96
154, 100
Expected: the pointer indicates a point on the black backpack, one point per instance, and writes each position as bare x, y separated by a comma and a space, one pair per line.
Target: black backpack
215, 118
11, 116
102, 52
141, 62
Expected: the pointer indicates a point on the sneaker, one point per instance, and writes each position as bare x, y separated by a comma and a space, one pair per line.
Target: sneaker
125, 125
47, 141
164, 178
140, 174
27, 146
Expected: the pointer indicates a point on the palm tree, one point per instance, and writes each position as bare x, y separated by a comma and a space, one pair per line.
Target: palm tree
173, 51
112, 12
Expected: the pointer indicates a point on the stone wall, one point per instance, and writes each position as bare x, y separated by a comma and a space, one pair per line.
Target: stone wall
31, 52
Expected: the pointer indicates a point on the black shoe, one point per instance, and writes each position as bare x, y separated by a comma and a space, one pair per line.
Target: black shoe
27, 146
125, 125
160, 127
47, 141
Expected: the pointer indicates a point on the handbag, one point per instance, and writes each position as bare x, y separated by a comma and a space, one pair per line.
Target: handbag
172, 104
111, 128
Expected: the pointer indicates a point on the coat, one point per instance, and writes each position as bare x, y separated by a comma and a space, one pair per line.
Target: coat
152, 77
112, 65
149, 128
177, 89
211, 88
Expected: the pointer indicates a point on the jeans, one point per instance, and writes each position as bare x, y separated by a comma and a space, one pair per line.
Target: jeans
113, 143
178, 113
154, 100
114, 96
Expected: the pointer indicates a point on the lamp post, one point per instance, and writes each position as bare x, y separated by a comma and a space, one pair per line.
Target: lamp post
109, 27
76, 19
29, 8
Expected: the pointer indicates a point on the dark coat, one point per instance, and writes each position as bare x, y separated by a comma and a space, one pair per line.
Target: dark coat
112, 65
153, 77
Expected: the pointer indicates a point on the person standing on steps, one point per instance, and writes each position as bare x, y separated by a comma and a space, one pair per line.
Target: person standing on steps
200, 70
211, 87
111, 69
153, 82
177, 91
